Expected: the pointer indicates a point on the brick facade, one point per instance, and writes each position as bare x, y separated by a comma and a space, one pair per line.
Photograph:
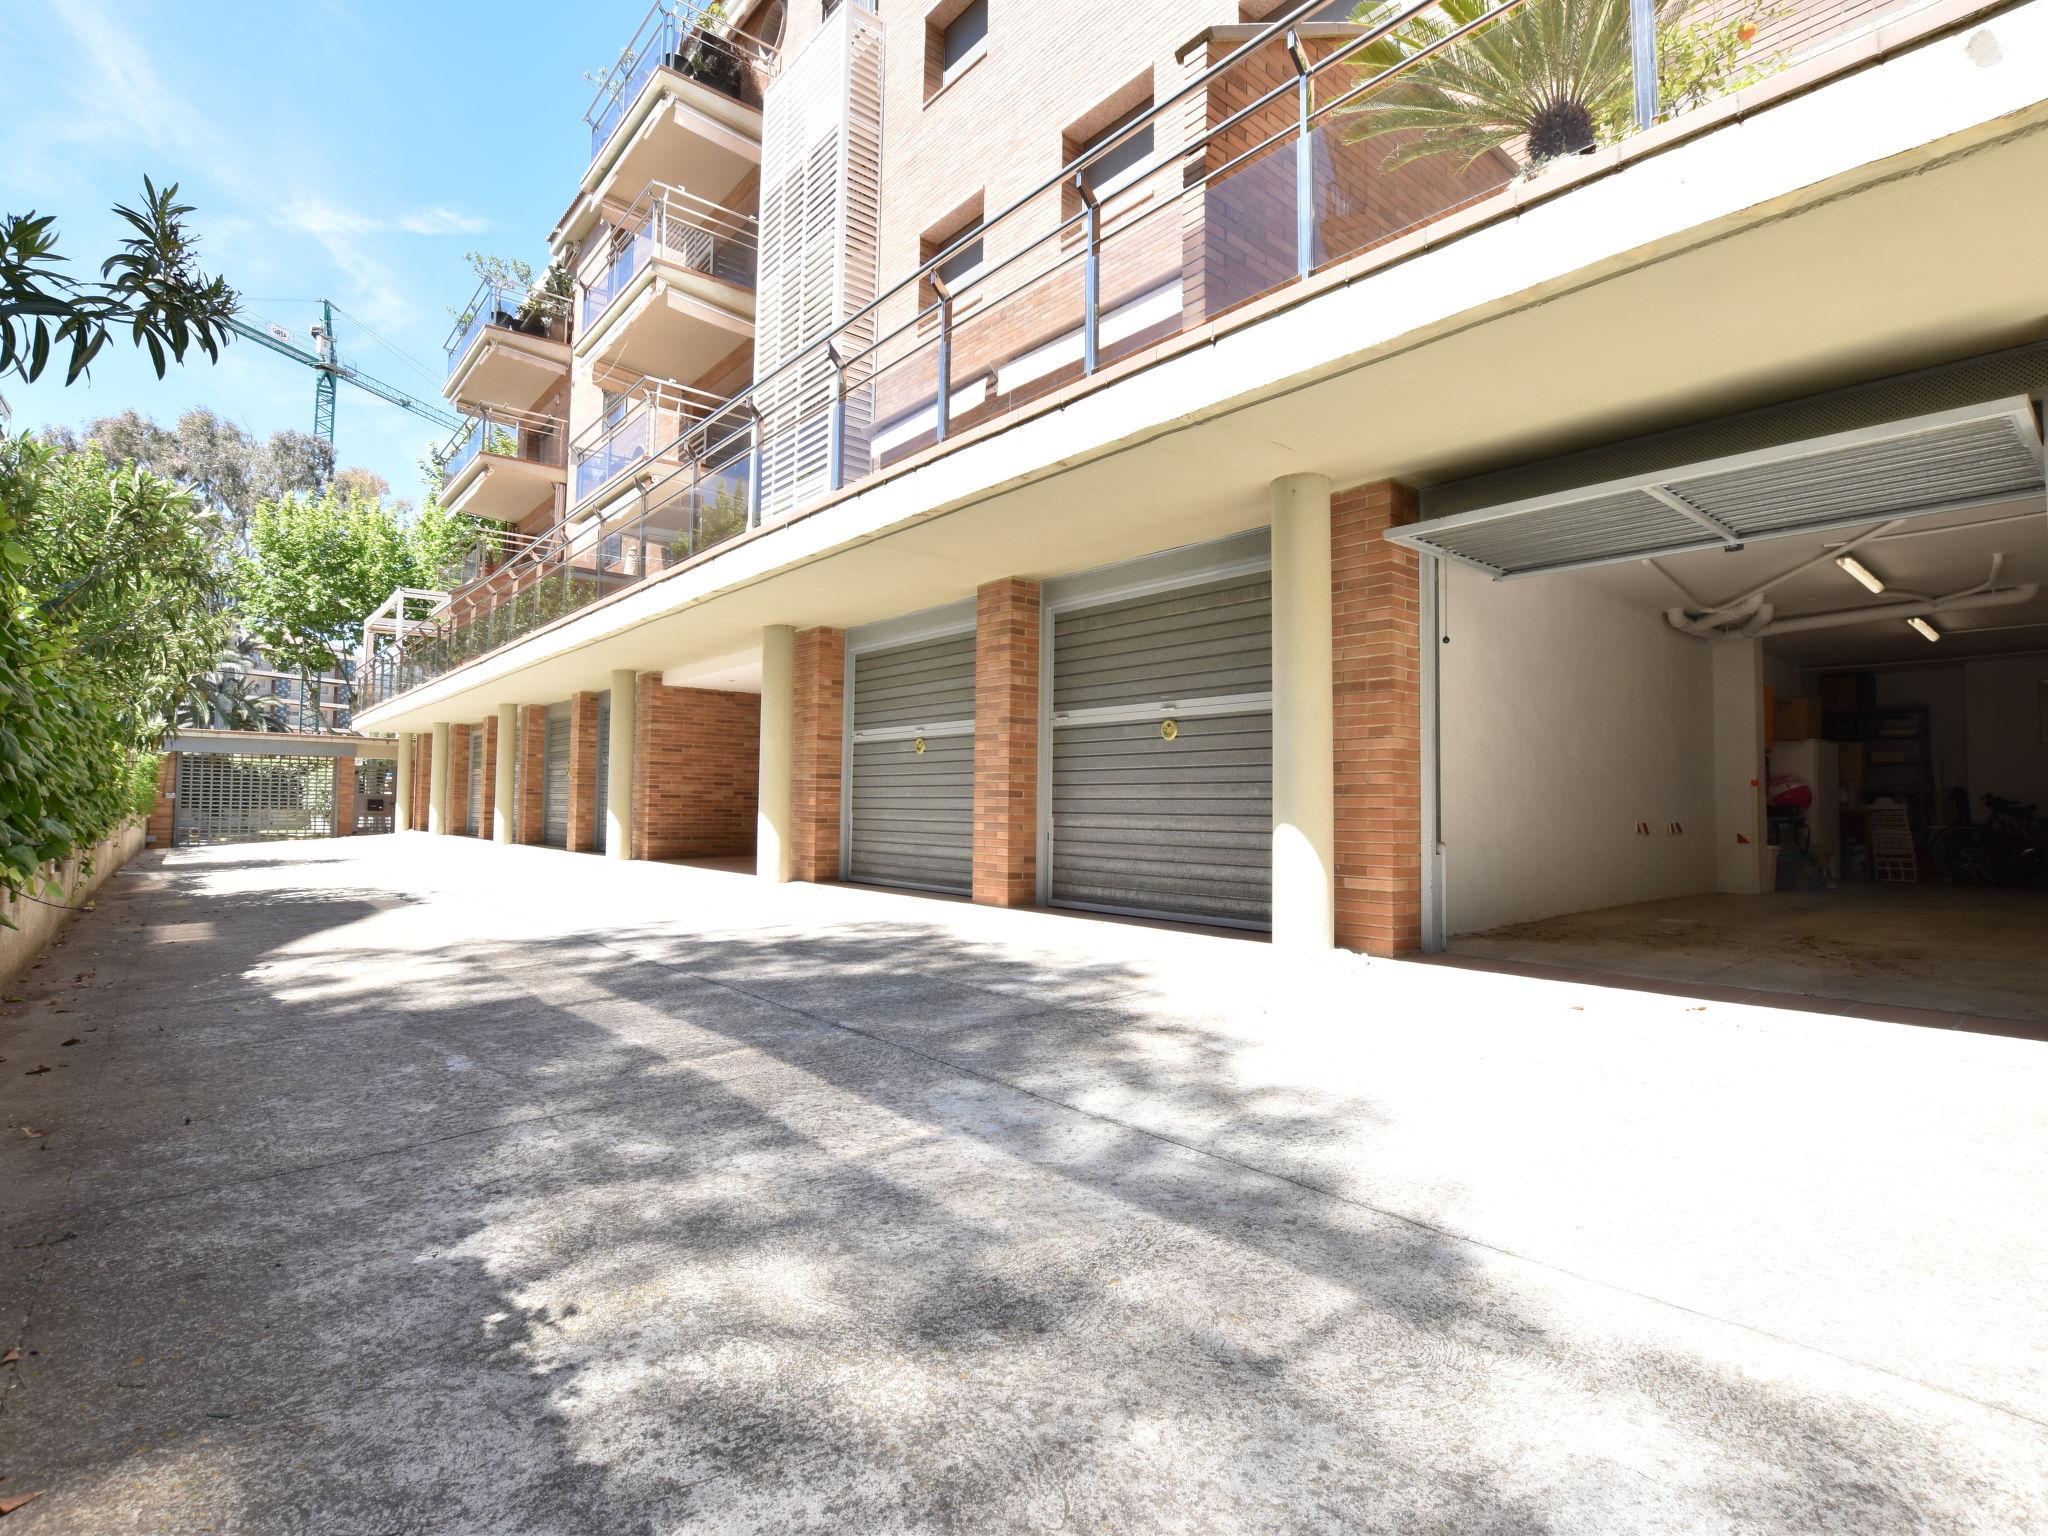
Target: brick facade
696, 771
455, 814
487, 743
1376, 642
820, 687
583, 773
422, 785
163, 814
528, 825
1006, 631
344, 797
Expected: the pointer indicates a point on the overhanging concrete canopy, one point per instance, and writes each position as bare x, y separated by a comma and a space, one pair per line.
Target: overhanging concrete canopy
1941, 461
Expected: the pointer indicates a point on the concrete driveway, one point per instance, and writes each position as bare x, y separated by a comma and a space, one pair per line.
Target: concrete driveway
410, 1185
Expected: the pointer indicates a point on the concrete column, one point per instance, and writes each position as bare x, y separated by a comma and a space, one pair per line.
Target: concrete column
772, 820
1739, 836
402, 812
1304, 735
437, 781
504, 814
618, 778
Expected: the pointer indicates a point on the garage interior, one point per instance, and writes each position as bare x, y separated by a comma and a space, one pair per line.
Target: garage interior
1708, 702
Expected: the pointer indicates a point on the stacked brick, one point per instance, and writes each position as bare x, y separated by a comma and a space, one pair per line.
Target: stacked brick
583, 836
487, 743
533, 774
696, 771
820, 688
1006, 642
455, 812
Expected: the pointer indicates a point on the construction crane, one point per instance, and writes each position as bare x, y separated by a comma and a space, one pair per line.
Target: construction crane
327, 363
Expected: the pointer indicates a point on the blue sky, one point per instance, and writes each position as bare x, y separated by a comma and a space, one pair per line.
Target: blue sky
342, 149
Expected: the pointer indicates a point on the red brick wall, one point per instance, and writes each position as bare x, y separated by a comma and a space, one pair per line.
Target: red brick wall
582, 772
1006, 631
162, 815
1376, 617
487, 738
344, 797
696, 771
814, 769
533, 774
455, 811
422, 788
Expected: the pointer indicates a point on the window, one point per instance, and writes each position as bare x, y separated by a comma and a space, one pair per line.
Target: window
1127, 161
955, 38
963, 35
959, 268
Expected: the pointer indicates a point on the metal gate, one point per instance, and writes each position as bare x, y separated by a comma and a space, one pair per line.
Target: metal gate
376, 795
232, 798
1162, 754
555, 811
910, 806
604, 764
473, 813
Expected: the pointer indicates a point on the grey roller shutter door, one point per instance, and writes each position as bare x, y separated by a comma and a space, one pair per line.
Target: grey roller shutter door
1162, 753
604, 764
475, 813
555, 817
230, 798
911, 807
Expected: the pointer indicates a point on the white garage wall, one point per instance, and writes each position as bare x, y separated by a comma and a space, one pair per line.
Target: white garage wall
1569, 715
2007, 755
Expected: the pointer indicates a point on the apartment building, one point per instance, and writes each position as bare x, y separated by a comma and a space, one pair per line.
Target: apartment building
1233, 465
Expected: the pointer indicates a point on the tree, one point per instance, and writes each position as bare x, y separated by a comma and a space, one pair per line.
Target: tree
226, 699
317, 564
106, 614
1555, 75
151, 286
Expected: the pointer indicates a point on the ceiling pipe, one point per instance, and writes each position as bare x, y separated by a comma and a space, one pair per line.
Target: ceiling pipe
1825, 557
1930, 609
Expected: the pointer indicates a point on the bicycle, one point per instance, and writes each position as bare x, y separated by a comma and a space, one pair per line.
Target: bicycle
2009, 847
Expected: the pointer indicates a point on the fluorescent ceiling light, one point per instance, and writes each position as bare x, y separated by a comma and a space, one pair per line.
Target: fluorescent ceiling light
1860, 571
1925, 628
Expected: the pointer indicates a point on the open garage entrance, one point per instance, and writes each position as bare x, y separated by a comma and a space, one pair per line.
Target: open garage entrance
1748, 707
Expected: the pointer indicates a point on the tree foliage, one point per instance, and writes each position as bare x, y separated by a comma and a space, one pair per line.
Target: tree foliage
151, 287
317, 565
106, 614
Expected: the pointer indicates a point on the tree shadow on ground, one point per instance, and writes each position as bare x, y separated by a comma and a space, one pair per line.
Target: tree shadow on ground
648, 1230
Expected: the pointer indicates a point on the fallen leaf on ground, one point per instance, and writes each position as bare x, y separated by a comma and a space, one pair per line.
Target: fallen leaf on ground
10, 1357
35, 1071
74, 1040
14, 1501
29, 1130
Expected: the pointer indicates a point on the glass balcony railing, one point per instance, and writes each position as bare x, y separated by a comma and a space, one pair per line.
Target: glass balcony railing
1318, 148
690, 37
520, 435
670, 225
646, 418
533, 312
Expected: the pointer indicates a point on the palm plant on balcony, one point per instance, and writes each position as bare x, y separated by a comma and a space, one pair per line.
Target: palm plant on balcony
1550, 78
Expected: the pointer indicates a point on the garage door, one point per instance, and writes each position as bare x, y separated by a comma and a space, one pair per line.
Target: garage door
1162, 754
604, 765
911, 805
230, 798
555, 813
473, 812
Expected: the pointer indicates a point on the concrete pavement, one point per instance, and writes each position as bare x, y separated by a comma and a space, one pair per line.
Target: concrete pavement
409, 1185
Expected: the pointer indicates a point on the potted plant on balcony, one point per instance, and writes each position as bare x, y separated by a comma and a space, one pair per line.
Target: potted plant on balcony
707, 56
1551, 78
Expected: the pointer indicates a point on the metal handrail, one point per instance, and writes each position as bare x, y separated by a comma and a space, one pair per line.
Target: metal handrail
663, 31
530, 435
509, 308
675, 225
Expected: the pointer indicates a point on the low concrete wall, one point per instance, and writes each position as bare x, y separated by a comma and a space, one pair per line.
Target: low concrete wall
36, 922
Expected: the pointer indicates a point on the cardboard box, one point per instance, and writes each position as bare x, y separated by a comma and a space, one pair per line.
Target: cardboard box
1851, 760
1797, 719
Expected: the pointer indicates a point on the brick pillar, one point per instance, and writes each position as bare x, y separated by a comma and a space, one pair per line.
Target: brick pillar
696, 771
344, 797
582, 772
422, 761
487, 743
1006, 634
814, 773
1377, 677
163, 814
460, 740
533, 774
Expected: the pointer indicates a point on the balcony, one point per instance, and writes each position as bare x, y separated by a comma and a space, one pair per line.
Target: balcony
682, 105
507, 348
669, 290
1314, 174
642, 430
506, 465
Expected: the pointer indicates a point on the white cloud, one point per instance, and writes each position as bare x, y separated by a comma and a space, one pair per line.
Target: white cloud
325, 220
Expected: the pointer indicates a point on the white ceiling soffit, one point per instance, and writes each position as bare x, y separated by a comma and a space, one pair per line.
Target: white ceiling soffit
1968, 456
